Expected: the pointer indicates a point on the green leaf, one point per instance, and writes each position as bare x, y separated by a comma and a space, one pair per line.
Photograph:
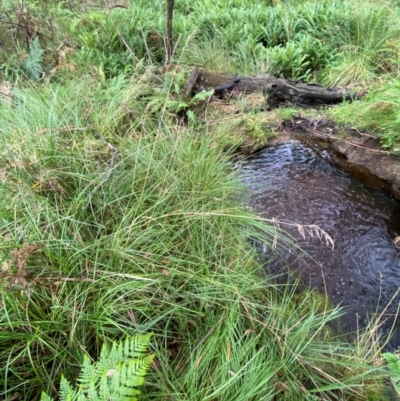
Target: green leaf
115, 376
203, 95
102, 75
191, 116
45, 397
33, 64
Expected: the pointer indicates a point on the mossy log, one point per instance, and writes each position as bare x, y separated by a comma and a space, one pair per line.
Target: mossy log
281, 89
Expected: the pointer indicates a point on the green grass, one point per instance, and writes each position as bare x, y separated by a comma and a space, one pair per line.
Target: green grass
349, 43
378, 112
334, 42
159, 243
97, 246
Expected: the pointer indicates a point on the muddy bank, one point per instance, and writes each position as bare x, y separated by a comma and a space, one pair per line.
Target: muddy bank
357, 152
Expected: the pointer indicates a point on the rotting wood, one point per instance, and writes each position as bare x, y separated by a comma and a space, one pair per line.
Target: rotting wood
191, 81
278, 90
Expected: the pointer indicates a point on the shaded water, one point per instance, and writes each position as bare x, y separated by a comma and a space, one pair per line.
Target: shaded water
293, 183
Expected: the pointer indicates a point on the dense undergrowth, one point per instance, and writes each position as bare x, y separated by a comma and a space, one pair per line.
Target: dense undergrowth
121, 213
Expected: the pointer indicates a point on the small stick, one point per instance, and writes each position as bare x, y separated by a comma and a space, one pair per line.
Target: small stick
147, 47
349, 142
67, 128
110, 146
175, 47
70, 279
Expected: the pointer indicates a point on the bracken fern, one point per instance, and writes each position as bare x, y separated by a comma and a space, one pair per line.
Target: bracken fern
33, 64
115, 376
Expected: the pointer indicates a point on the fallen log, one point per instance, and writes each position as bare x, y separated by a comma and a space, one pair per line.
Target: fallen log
278, 89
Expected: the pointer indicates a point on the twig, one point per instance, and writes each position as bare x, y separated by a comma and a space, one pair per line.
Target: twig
118, 5
114, 154
70, 279
67, 128
128, 276
348, 142
57, 278
146, 46
175, 47
365, 147
364, 134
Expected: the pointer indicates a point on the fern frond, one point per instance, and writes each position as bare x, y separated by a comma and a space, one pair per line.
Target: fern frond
88, 374
133, 373
45, 397
67, 393
137, 346
115, 376
33, 64
109, 358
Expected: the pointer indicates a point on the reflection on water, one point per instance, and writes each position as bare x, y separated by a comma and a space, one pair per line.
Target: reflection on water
293, 183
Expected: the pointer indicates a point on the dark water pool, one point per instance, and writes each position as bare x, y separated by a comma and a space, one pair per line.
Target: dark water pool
293, 183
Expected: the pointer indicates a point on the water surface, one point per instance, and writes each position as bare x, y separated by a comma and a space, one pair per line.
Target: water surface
293, 183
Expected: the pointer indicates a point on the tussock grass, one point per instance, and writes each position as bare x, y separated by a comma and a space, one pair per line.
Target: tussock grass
157, 242
119, 218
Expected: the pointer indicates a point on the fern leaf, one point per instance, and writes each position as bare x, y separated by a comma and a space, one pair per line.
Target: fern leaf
137, 346
67, 393
88, 374
33, 64
115, 376
132, 375
107, 388
45, 397
81, 396
136, 369
107, 359
128, 393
